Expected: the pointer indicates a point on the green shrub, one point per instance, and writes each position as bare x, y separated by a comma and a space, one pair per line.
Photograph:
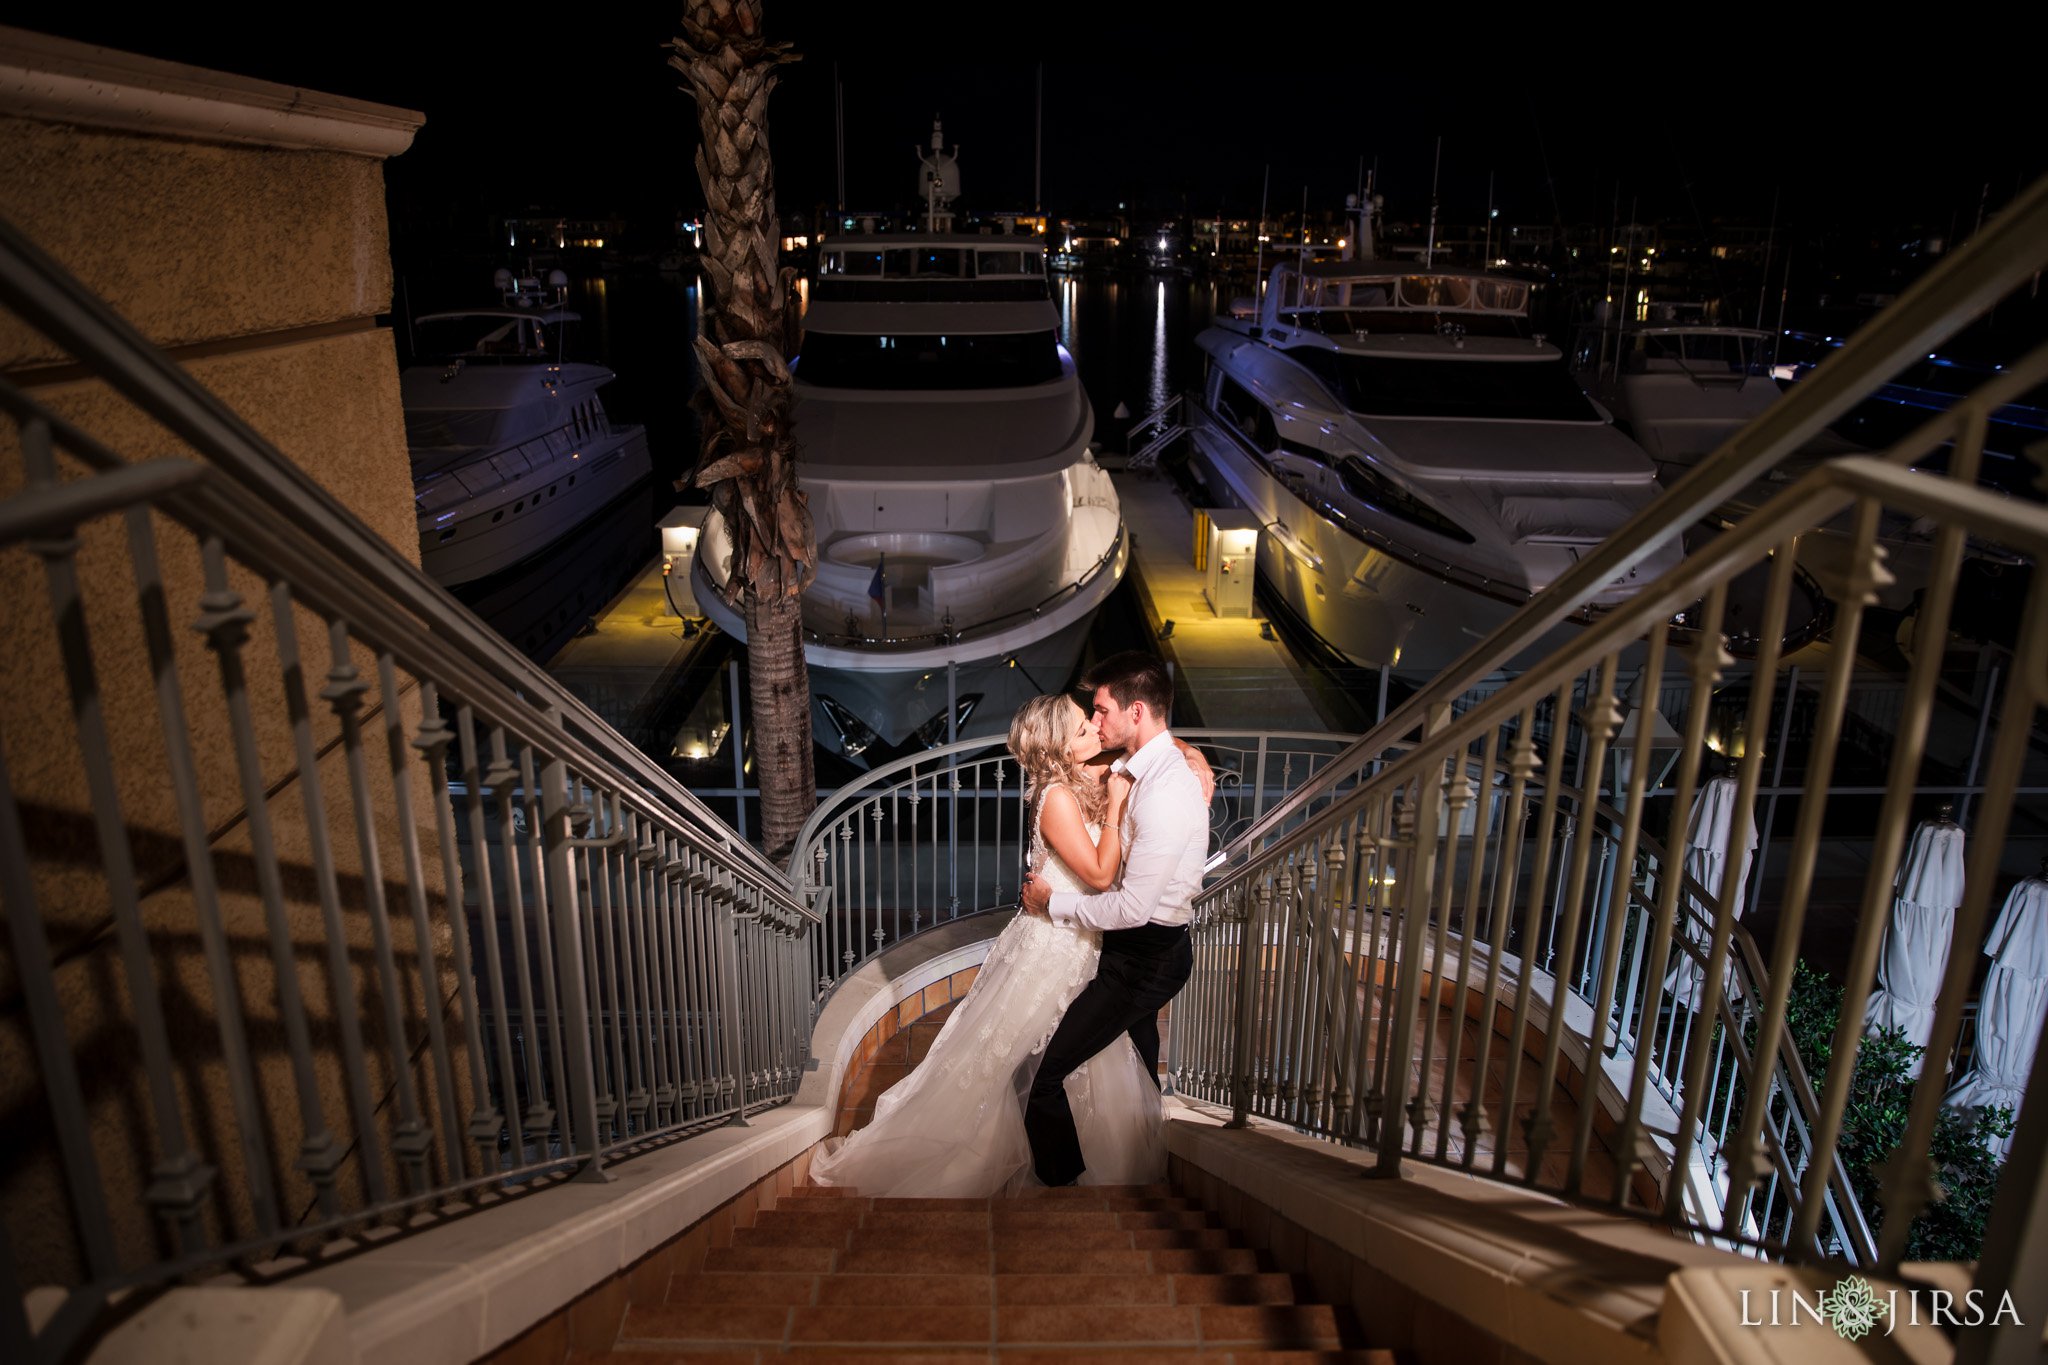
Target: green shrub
1874, 1123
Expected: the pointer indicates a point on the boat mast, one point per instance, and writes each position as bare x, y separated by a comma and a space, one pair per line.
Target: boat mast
1429, 251
1259, 257
839, 134
1770, 240
1038, 151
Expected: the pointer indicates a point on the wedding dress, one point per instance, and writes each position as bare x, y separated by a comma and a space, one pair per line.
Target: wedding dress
954, 1127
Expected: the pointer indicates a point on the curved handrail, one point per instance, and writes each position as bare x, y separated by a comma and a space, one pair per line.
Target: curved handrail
875, 781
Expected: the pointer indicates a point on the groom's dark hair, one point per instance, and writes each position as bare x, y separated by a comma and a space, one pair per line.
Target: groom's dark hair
1132, 676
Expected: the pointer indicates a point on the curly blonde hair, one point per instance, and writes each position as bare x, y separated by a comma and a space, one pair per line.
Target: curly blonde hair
1039, 735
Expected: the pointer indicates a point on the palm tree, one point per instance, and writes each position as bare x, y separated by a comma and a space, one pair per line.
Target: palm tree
748, 460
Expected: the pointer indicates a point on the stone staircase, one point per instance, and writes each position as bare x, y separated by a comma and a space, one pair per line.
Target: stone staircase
1122, 1273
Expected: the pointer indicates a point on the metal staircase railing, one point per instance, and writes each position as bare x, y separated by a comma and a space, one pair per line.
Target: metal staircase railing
1446, 819
327, 912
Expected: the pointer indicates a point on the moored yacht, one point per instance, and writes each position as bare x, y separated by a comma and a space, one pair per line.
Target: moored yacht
511, 447
1421, 461
1679, 386
966, 536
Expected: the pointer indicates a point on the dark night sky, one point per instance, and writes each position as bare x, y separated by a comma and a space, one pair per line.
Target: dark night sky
578, 111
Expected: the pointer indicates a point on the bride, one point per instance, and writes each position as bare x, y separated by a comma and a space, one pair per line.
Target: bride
955, 1126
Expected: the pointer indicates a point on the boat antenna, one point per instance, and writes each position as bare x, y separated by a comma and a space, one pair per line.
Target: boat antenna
1259, 257
1784, 292
1628, 259
1304, 227
1486, 253
1429, 251
1770, 240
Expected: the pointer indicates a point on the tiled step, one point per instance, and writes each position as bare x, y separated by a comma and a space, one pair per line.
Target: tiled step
1126, 1274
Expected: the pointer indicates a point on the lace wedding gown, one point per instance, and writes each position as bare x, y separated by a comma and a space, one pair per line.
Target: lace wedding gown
954, 1127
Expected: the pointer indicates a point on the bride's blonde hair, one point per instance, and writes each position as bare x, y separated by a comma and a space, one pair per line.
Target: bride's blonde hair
1039, 735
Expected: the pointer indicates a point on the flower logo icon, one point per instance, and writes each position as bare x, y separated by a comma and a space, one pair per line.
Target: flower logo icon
1852, 1307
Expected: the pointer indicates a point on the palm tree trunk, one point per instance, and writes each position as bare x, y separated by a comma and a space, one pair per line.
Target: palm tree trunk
748, 460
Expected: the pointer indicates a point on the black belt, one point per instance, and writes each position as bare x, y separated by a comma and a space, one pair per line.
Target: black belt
1146, 939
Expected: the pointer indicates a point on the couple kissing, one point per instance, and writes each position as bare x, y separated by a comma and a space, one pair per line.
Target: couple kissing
1046, 1073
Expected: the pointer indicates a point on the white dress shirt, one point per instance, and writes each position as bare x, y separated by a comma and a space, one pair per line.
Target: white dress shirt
1165, 834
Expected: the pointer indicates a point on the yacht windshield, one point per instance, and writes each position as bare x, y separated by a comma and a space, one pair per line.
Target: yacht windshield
1698, 352
1007, 360
1501, 390
489, 338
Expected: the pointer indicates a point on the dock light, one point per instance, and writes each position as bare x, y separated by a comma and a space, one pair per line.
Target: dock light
680, 531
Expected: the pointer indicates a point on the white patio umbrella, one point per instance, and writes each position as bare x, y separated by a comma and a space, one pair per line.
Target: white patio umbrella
1706, 848
2010, 1010
1916, 942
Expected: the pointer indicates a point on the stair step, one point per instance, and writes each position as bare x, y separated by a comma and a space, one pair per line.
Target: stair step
1029, 1258
1083, 1289
670, 1324
1233, 1289
1151, 1325
897, 1205
1306, 1326
956, 1327
912, 1261
800, 1233
844, 1215
1130, 1275
958, 1241
760, 1288
928, 1220
813, 1260
904, 1291
1204, 1261
814, 1201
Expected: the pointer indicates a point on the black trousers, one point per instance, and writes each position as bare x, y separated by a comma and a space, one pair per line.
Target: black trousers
1141, 969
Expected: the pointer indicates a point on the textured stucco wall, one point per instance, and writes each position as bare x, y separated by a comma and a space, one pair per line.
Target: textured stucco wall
192, 241
238, 250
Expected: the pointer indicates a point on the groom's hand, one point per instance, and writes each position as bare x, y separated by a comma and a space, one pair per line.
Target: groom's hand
1035, 896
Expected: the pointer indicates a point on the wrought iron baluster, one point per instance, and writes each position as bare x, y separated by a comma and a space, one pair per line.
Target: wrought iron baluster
413, 1141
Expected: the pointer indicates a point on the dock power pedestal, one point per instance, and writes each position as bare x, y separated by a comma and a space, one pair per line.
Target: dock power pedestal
1230, 557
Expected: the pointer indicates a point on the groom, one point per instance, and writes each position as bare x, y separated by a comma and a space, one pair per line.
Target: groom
1146, 957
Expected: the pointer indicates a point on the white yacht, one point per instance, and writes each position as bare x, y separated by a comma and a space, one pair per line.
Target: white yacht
511, 447
1420, 460
961, 519
1679, 386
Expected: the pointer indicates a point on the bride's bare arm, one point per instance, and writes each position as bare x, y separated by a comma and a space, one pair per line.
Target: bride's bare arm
1066, 833
1198, 764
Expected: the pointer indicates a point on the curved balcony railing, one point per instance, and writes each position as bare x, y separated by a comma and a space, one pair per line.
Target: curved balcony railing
940, 835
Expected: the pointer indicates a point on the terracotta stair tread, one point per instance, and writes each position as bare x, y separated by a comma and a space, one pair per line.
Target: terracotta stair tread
1126, 1274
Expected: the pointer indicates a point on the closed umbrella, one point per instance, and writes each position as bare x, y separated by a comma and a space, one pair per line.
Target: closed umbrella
1707, 832
1916, 942
2010, 1010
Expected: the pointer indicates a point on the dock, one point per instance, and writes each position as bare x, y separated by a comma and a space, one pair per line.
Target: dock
1229, 674
625, 664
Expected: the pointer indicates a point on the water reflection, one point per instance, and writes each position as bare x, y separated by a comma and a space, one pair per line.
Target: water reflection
1156, 390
